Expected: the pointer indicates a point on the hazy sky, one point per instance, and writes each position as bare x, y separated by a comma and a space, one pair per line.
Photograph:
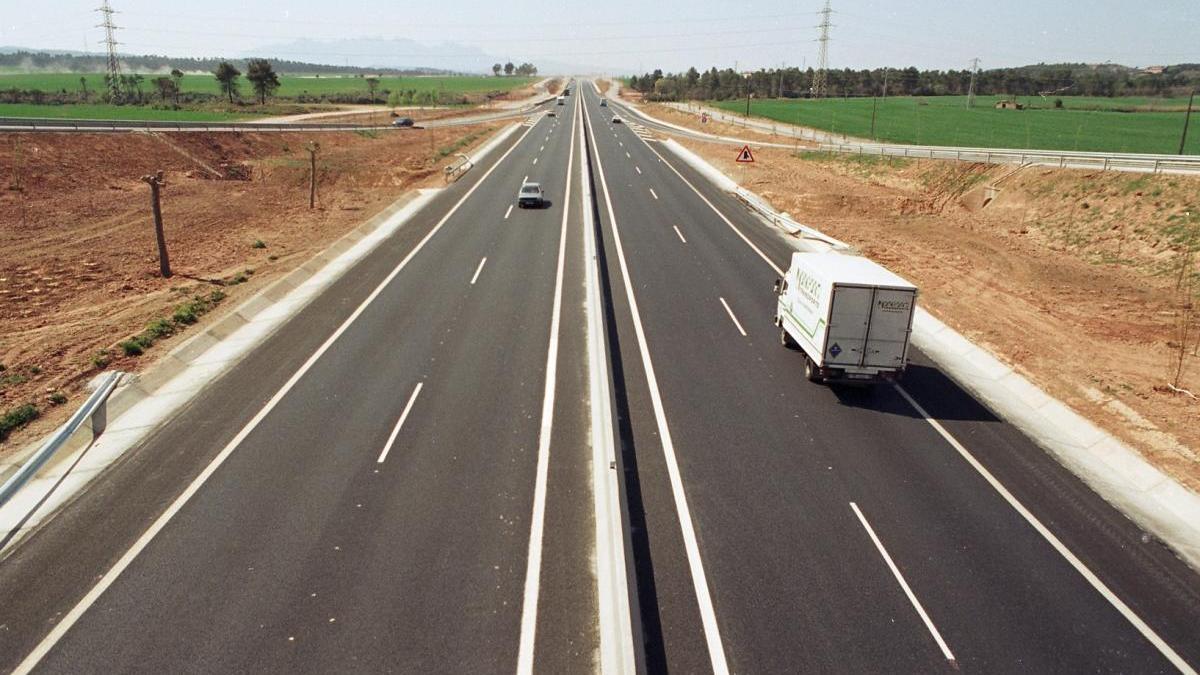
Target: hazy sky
644, 34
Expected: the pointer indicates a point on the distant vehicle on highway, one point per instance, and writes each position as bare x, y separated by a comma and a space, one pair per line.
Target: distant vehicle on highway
402, 122
616, 120
531, 195
561, 100
551, 113
603, 103
850, 316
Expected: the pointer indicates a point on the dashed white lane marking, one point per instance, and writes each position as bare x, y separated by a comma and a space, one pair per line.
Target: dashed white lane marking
403, 416
729, 311
525, 179
541, 148
479, 269
627, 155
508, 212
904, 585
535, 159
654, 193
679, 233
638, 169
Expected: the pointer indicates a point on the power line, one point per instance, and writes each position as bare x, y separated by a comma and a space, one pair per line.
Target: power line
819, 77
110, 41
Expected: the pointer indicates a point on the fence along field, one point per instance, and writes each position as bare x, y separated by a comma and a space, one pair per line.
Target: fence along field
1135, 124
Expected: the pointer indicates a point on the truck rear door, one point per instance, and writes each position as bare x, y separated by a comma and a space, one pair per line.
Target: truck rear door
887, 335
849, 318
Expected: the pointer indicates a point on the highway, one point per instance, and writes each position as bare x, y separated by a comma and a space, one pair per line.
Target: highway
403, 478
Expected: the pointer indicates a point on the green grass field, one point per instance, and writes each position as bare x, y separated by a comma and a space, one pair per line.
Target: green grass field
115, 112
1084, 123
290, 85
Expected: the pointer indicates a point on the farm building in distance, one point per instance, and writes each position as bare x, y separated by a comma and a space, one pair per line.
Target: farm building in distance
1009, 104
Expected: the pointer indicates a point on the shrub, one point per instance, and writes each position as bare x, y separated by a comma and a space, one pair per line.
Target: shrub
101, 359
131, 347
216, 296
258, 243
185, 314
160, 328
57, 398
17, 418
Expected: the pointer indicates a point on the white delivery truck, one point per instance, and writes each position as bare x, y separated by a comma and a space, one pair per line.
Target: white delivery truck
851, 317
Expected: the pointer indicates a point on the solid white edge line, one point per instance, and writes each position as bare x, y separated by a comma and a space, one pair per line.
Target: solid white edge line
731, 316
679, 233
396, 429
912, 597
1102, 588
653, 193
1137, 622
533, 567
508, 212
70, 618
612, 582
708, 617
479, 269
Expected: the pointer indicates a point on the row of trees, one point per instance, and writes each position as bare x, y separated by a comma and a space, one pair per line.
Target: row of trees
1072, 79
523, 70
263, 79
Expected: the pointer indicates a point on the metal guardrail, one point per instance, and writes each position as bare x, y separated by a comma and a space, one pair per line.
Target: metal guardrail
458, 167
95, 407
1064, 160
785, 223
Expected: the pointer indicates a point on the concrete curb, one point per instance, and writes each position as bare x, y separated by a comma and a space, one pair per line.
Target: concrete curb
1117, 472
145, 401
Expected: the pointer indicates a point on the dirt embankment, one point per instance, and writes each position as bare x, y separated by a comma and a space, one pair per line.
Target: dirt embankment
1072, 277
79, 268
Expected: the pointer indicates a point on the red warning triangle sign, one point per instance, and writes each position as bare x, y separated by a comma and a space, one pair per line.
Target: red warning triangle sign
744, 155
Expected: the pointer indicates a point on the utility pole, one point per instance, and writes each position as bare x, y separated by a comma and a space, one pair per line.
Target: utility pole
1187, 117
971, 90
886, 72
313, 148
155, 182
820, 76
874, 105
747, 101
110, 40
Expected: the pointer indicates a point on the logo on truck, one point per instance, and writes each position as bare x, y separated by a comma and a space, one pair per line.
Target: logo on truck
808, 287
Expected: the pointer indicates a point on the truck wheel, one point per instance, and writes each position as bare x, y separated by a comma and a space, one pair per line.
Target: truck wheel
810, 370
785, 339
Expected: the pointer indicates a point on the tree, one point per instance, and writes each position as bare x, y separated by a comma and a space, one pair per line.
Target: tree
166, 88
508, 68
227, 77
372, 87
496, 67
263, 78
177, 77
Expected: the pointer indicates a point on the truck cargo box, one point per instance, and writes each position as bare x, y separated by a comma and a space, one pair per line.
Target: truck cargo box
851, 316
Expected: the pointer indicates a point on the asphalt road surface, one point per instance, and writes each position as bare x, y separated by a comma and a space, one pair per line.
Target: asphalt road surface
402, 478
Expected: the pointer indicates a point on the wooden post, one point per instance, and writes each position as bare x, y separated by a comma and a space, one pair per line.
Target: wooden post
1186, 118
156, 182
313, 148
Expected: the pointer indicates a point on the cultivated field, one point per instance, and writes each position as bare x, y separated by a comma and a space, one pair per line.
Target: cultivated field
1134, 124
290, 85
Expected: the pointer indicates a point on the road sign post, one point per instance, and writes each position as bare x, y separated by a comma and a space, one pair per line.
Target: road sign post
745, 156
